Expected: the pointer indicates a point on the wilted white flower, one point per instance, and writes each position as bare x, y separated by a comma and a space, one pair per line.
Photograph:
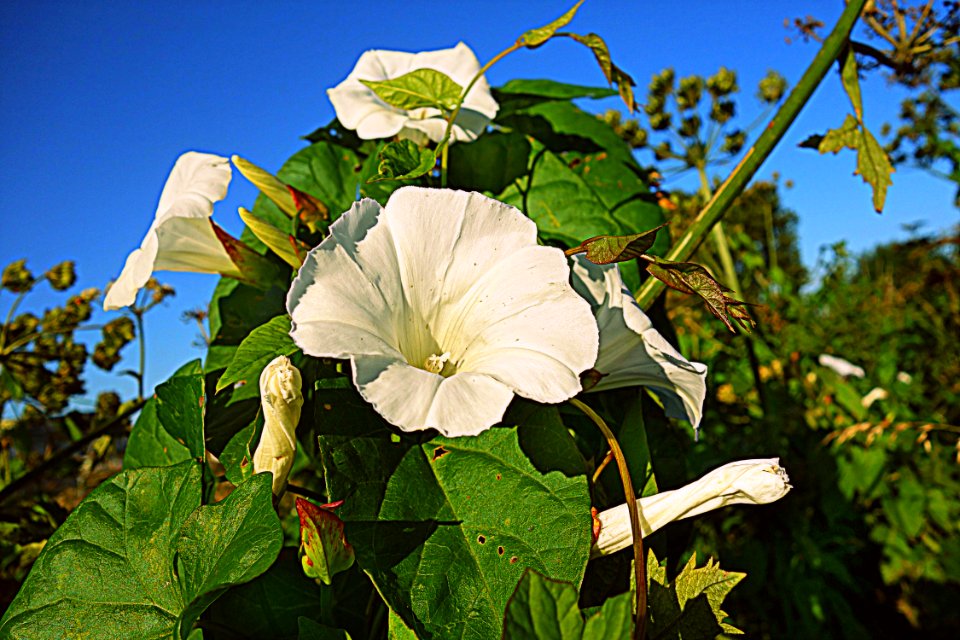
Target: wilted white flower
632, 352
281, 399
182, 236
842, 367
358, 107
742, 482
446, 307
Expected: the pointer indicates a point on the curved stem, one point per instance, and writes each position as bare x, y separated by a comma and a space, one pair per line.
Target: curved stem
143, 352
639, 564
756, 155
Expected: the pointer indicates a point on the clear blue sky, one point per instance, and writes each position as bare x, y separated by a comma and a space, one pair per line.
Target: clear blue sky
99, 98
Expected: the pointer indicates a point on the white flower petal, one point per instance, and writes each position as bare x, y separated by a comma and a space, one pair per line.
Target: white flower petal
446, 306
632, 352
181, 237
359, 108
464, 404
843, 368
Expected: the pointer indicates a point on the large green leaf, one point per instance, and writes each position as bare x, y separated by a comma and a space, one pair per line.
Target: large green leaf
109, 568
327, 172
108, 572
474, 509
562, 126
547, 610
226, 544
264, 343
150, 445
235, 310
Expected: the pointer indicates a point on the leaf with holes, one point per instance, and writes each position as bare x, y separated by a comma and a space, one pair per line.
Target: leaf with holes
608, 249
475, 510
418, 89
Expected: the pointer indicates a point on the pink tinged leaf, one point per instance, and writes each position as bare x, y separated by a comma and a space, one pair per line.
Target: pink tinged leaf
691, 278
326, 550
608, 249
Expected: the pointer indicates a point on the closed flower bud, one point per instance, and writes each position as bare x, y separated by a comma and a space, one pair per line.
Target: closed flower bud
742, 482
281, 399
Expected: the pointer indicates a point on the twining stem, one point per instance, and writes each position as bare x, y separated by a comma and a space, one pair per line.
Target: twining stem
138, 315
466, 91
639, 565
738, 179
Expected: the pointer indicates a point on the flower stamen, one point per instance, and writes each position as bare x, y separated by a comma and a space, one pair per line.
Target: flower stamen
434, 363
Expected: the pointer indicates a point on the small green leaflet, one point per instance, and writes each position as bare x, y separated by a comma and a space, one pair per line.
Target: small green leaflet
609, 249
614, 74
264, 343
690, 277
418, 89
536, 37
547, 610
689, 609
404, 160
873, 164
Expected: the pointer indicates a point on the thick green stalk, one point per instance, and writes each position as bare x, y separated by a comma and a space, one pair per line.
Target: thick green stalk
737, 181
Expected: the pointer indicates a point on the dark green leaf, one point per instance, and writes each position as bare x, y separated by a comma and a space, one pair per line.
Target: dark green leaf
552, 90
150, 445
264, 343
180, 406
609, 249
109, 568
418, 89
544, 609
490, 164
536, 37
325, 171
310, 630
547, 610
691, 278
404, 160
414, 510
562, 126
227, 543
237, 456
236, 310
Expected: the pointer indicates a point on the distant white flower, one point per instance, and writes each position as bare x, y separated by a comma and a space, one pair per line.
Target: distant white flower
446, 307
877, 393
904, 377
281, 399
632, 352
359, 108
742, 482
842, 367
182, 236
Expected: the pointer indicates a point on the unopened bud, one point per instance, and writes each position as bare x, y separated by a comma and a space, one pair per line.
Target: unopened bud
742, 482
281, 399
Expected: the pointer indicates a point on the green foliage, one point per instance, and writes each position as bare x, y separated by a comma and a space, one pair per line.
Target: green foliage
418, 89
548, 609
139, 549
689, 605
266, 342
536, 37
610, 249
404, 160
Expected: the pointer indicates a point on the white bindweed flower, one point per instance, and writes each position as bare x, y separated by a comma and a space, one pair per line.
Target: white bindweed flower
281, 399
446, 307
359, 108
632, 352
843, 368
182, 236
742, 482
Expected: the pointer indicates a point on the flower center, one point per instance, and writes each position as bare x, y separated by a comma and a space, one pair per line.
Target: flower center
434, 363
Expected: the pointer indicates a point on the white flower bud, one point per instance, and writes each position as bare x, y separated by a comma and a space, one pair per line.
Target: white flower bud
741, 482
281, 399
